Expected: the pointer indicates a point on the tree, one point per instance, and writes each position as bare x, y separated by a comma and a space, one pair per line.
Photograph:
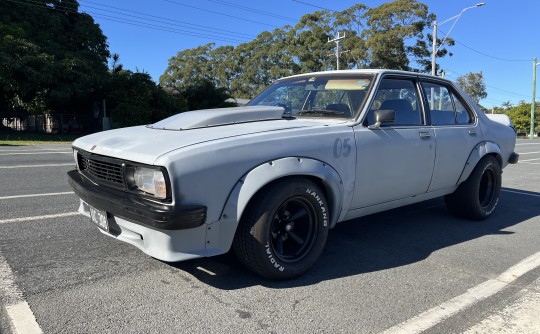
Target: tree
189, 67
521, 117
389, 27
473, 84
388, 36
204, 95
53, 58
134, 99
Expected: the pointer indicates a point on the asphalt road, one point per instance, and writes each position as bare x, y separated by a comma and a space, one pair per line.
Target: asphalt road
404, 267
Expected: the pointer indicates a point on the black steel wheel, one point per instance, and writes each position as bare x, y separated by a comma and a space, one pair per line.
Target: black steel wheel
284, 229
477, 197
293, 229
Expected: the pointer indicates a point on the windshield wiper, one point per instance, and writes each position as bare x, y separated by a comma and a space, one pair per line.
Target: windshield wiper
321, 111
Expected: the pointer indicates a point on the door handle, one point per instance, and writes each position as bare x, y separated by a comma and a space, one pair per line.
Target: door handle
472, 132
424, 134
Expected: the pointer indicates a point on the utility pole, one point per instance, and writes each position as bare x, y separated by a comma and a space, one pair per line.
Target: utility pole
434, 50
533, 106
338, 51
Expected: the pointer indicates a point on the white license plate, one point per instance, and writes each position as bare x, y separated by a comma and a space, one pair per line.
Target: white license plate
99, 218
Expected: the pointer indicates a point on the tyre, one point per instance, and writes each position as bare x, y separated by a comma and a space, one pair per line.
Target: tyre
283, 230
477, 197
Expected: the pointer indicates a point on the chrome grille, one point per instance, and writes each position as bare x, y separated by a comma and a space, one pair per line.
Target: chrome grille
100, 170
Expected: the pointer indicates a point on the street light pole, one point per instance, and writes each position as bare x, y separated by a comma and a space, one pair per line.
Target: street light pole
434, 48
533, 106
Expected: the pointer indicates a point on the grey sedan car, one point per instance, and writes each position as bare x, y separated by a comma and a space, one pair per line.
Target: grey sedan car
272, 178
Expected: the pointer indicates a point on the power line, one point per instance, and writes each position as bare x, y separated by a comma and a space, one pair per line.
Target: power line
253, 10
485, 54
180, 23
152, 20
128, 21
311, 5
162, 28
222, 14
493, 87
490, 56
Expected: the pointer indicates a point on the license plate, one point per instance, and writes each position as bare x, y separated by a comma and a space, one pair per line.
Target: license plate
99, 218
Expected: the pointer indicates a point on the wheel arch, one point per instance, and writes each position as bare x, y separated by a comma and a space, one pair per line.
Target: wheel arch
319, 172
480, 150
220, 234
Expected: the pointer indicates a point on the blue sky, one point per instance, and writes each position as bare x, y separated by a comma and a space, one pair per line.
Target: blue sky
498, 39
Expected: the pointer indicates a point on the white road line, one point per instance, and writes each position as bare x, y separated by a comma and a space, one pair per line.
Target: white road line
531, 163
34, 153
21, 318
523, 153
521, 316
37, 195
437, 314
520, 193
27, 219
529, 160
520, 144
35, 166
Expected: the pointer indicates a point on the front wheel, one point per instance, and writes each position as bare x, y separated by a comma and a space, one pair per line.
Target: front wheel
477, 197
284, 229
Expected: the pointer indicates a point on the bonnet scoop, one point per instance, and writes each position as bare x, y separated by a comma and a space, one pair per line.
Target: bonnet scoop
219, 117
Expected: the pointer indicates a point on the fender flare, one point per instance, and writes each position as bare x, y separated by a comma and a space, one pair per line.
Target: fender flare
479, 151
220, 234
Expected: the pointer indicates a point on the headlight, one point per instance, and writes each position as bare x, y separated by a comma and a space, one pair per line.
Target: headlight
150, 181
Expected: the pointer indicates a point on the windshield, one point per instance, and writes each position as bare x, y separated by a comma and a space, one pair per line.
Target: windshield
325, 95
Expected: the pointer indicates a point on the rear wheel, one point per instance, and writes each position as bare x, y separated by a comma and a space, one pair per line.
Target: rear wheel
283, 230
477, 197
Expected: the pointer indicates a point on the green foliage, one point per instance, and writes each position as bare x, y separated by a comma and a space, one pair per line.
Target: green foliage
204, 95
134, 99
52, 58
473, 84
389, 36
521, 116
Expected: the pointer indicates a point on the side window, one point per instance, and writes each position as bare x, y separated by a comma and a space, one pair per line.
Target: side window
463, 116
445, 107
441, 108
401, 96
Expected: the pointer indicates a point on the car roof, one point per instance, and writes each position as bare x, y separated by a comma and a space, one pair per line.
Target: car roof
369, 71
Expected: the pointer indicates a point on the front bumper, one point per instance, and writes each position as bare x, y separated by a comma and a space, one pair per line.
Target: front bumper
135, 209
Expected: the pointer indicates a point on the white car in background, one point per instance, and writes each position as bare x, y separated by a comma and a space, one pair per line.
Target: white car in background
270, 179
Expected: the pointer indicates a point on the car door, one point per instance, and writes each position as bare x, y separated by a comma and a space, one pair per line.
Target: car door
456, 132
396, 160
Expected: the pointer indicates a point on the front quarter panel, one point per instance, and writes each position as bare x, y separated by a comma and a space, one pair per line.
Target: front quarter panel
223, 175
221, 233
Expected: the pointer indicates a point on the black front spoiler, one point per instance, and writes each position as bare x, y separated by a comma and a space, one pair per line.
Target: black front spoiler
136, 209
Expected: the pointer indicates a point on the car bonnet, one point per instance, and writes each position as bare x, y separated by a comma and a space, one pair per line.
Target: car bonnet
145, 144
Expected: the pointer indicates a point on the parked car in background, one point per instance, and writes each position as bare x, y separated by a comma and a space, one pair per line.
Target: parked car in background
272, 178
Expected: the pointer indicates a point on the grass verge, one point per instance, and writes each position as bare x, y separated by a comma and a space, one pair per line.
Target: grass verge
22, 138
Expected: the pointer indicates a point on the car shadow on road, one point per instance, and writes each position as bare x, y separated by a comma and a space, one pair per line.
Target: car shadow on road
377, 242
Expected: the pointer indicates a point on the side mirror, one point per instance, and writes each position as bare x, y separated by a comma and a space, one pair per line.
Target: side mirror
382, 116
